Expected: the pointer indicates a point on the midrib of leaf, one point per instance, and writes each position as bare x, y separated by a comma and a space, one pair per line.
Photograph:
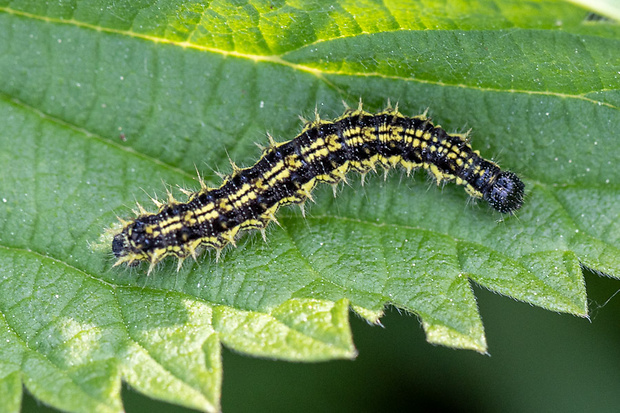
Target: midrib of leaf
276, 59
280, 60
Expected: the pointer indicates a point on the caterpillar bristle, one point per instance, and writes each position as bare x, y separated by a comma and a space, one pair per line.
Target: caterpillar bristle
235, 168
180, 263
141, 210
170, 198
272, 142
185, 192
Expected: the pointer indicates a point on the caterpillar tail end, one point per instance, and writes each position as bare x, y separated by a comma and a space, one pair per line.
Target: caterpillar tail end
122, 252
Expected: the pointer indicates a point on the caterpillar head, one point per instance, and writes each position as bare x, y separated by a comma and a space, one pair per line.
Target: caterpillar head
506, 193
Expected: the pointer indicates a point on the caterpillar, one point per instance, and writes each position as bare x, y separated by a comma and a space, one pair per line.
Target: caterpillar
287, 172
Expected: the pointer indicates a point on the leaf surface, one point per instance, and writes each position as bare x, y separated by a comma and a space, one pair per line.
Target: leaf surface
102, 101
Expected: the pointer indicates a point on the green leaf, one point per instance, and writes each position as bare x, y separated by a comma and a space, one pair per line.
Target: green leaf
102, 100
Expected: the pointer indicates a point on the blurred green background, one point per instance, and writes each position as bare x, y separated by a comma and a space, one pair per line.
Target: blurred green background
539, 361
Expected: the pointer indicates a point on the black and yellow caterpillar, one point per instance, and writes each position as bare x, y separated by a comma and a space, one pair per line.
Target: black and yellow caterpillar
287, 172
